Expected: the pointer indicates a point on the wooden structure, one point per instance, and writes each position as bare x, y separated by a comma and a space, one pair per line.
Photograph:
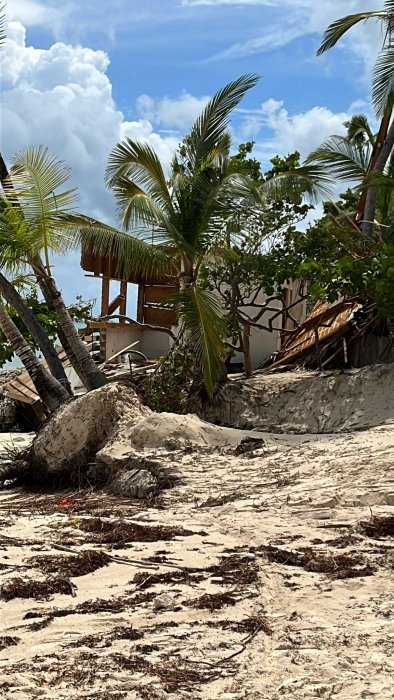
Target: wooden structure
153, 291
22, 390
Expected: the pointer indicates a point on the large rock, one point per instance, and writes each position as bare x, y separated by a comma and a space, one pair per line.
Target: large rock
77, 431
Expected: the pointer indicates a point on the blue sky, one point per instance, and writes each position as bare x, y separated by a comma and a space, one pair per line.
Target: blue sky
80, 75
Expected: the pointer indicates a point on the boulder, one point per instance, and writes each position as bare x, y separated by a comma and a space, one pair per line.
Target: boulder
138, 483
72, 436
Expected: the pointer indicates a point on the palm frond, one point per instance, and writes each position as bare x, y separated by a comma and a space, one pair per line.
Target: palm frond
311, 181
383, 81
17, 241
343, 159
339, 27
213, 121
3, 22
132, 255
36, 176
203, 318
138, 162
359, 130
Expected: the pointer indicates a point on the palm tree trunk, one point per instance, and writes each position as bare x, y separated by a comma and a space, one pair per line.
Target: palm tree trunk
75, 349
370, 205
377, 147
51, 393
34, 326
79, 356
246, 350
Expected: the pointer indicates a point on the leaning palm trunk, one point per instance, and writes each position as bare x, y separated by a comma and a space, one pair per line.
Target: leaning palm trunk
77, 351
381, 161
15, 300
50, 391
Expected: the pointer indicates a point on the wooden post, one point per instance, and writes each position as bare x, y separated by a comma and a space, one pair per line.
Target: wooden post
123, 293
140, 303
105, 296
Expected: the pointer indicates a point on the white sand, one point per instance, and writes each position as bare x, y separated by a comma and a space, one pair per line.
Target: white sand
331, 638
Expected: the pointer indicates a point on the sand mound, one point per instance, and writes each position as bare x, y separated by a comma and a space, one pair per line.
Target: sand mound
108, 432
173, 431
307, 402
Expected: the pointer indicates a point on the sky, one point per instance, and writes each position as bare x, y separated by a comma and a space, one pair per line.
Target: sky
81, 75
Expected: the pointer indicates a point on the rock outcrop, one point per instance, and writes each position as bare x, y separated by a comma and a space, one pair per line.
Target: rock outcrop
73, 436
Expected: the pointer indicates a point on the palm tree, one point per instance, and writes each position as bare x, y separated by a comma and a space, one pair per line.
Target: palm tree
13, 232
348, 158
50, 391
31, 188
383, 100
182, 214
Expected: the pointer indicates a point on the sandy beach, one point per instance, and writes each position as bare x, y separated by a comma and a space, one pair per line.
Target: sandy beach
260, 575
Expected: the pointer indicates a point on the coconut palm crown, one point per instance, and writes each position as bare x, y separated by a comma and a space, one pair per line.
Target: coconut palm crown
182, 213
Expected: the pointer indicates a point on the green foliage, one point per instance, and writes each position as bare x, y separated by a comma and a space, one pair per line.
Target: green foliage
181, 217
171, 387
244, 266
80, 312
334, 260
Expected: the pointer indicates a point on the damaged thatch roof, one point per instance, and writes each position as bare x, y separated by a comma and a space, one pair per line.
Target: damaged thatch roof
326, 333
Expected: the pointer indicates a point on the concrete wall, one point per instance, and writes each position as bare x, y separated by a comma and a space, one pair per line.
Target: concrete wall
153, 344
263, 343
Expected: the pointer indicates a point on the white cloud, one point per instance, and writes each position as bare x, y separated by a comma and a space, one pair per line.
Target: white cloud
32, 13
302, 132
62, 97
176, 113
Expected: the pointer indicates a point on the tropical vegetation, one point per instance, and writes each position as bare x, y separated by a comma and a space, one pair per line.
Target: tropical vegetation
227, 229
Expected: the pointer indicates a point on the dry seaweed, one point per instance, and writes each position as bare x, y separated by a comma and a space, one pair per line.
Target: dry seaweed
144, 580
378, 527
28, 588
183, 675
105, 640
249, 624
90, 607
120, 532
235, 570
78, 565
339, 566
211, 601
8, 642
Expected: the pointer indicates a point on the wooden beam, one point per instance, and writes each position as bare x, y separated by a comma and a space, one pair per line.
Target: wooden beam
140, 303
105, 296
123, 294
115, 304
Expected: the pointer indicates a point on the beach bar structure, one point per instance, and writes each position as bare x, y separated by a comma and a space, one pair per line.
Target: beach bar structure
152, 326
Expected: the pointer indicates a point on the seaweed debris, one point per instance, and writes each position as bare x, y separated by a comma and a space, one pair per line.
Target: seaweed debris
77, 565
339, 566
120, 532
8, 642
144, 580
211, 601
378, 527
236, 570
28, 588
